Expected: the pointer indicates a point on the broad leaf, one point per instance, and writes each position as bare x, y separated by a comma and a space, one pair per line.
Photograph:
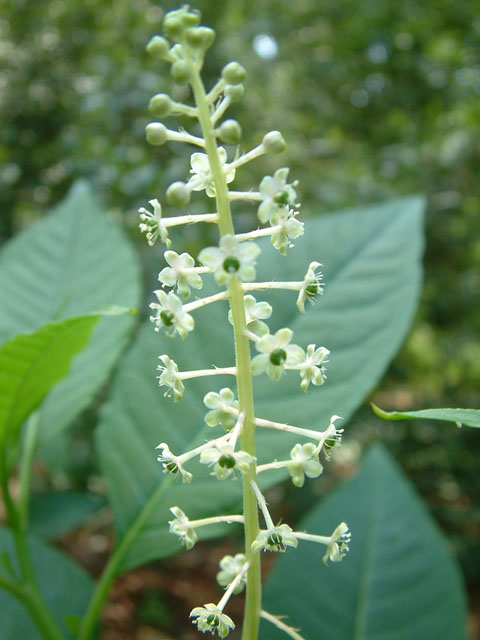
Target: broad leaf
399, 580
74, 261
53, 514
372, 274
65, 587
461, 417
32, 363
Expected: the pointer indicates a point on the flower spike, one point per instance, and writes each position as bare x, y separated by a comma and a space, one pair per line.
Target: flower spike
233, 264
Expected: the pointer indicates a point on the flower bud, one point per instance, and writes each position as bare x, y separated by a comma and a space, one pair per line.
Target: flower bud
191, 17
178, 194
180, 71
230, 132
200, 37
175, 22
234, 73
235, 92
158, 48
160, 105
273, 142
156, 133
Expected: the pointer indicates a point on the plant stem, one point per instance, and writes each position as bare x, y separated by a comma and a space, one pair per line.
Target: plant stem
30, 445
242, 358
112, 568
26, 589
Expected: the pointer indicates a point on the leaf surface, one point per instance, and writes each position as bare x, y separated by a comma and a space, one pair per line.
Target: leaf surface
65, 587
399, 580
74, 261
32, 363
53, 514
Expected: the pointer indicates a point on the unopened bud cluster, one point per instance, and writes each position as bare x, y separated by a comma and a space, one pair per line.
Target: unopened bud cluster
232, 265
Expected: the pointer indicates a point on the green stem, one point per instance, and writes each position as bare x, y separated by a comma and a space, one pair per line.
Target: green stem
253, 596
43, 619
25, 474
112, 568
26, 590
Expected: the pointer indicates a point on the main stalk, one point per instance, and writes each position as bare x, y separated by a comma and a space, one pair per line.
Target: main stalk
242, 359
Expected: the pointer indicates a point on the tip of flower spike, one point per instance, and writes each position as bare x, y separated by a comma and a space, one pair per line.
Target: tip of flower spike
177, 21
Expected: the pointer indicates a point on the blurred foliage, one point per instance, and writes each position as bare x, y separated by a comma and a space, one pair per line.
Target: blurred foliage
375, 99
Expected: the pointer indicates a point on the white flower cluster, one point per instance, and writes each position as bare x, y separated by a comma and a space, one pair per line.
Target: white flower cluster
232, 265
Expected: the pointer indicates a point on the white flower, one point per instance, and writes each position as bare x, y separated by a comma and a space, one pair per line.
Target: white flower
311, 369
304, 463
219, 404
211, 618
179, 273
311, 286
334, 437
181, 527
230, 567
169, 378
202, 176
276, 193
338, 547
275, 539
255, 312
225, 460
169, 314
275, 353
152, 225
172, 463
231, 258
290, 228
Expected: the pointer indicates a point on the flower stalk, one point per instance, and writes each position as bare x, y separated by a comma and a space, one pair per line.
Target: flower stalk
233, 266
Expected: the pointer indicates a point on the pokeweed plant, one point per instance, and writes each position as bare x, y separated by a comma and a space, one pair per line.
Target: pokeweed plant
232, 264
364, 317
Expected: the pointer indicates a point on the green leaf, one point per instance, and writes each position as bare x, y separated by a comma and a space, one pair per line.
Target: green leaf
73, 262
65, 587
31, 364
372, 274
461, 417
399, 580
53, 514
